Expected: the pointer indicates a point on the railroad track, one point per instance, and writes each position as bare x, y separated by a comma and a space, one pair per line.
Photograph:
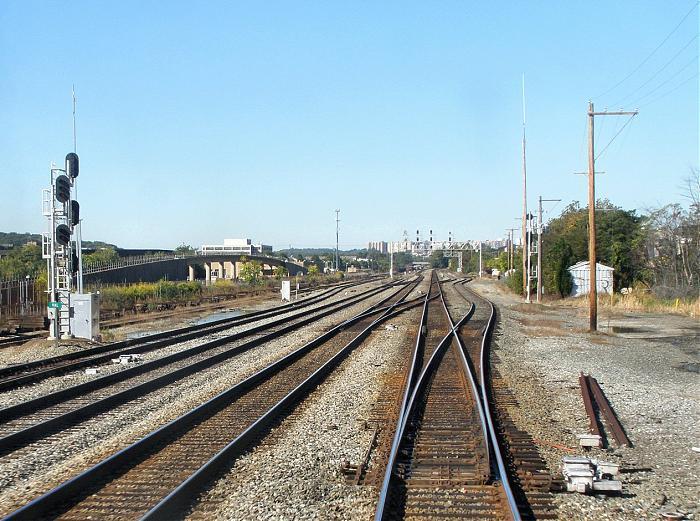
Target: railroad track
139, 318
530, 481
18, 375
159, 476
39, 418
445, 459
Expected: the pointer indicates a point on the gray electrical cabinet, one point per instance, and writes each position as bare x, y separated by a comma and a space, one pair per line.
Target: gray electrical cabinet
85, 315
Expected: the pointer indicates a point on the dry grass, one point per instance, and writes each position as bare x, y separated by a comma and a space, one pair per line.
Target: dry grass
641, 302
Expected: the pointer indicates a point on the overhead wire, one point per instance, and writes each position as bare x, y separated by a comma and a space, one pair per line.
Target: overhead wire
671, 91
645, 60
659, 71
615, 136
694, 60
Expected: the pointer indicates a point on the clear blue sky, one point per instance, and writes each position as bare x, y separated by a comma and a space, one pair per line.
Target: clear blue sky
204, 120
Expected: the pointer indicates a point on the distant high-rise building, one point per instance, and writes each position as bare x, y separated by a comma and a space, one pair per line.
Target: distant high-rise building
380, 246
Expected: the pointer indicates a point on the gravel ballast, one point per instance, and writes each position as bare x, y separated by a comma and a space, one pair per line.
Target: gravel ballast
296, 471
29, 472
541, 349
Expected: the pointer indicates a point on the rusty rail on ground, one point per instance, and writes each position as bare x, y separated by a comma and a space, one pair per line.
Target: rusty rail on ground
593, 394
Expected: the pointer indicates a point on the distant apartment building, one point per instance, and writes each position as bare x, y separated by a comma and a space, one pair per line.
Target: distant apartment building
236, 247
380, 246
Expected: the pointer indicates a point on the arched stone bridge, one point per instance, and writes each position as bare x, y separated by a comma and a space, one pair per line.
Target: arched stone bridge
227, 266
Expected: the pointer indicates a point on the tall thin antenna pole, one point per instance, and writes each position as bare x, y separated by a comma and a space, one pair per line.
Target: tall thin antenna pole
526, 245
337, 220
75, 141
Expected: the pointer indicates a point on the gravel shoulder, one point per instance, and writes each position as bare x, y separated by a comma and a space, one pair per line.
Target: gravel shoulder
647, 366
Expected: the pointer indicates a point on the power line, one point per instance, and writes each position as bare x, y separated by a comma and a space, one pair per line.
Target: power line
691, 62
672, 90
613, 138
650, 54
622, 100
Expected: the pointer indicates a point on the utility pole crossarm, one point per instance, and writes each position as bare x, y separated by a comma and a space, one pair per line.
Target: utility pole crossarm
627, 113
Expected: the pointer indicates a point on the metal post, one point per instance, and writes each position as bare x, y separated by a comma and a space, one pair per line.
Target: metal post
539, 251
337, 220
526, 252
480, 265
528, 263
391, 260
540, 230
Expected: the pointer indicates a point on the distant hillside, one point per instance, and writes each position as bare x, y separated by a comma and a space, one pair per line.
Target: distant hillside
10, 239
18, 239
309, 252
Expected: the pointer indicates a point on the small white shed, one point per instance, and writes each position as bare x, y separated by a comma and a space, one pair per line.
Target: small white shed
580, 274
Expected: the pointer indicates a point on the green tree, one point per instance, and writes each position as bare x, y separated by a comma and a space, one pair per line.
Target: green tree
558, 278
438, 260
185, 249
101, 256
619, 238
280, 272
251, 272
22, 261
313, 270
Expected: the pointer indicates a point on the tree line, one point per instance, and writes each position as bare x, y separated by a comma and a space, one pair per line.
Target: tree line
657, 250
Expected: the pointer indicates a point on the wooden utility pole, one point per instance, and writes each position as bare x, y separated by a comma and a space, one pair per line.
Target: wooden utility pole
592, 283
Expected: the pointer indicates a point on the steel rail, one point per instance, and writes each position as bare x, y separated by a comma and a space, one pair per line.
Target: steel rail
7, 372
406, 403
180, 498
468, 369
61, 496
381, 511
497, 449
420, 340
608, 412
27, 435
72, 361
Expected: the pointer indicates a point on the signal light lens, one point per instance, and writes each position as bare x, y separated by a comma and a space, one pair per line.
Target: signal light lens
62, 188
62, 234
74, 213
72, 165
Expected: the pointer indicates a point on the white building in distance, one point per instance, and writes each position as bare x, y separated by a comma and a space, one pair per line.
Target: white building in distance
236, 247
580, 275
380, 246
